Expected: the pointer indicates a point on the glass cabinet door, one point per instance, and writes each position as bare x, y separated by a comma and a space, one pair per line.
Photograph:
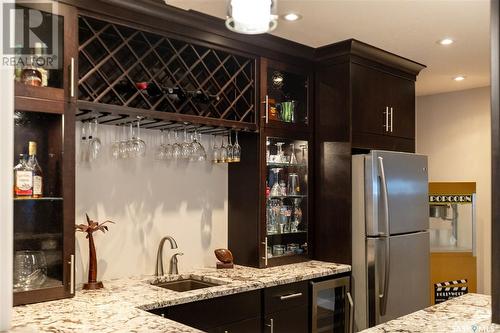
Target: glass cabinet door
286, 197
38, 201
287, 97
331, 306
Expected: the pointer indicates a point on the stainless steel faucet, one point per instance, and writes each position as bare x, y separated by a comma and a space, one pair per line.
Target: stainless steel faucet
159, 255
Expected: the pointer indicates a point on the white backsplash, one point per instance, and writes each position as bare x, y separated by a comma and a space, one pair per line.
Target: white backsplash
149, 199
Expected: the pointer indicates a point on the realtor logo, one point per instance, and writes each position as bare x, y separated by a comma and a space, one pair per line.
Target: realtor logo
31, 33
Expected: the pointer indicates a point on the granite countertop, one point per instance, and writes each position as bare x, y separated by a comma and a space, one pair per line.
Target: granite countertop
119, 307
470, 313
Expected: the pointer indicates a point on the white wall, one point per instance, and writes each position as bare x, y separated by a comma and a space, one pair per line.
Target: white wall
453, 129
149, 199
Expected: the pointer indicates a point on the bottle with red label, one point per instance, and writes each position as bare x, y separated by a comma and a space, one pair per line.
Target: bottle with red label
23, 179
36, 170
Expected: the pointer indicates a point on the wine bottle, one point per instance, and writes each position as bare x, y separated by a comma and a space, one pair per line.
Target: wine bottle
177, 94
23, 179
36, 170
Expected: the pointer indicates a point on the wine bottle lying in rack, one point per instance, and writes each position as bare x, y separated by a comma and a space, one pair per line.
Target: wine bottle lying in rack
175, 93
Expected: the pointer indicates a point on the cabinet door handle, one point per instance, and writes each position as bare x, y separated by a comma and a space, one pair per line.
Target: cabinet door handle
386, 125
265, 251
271, 325
351, 312
392, 117
72, 78
285, 297
71, 263
267, 111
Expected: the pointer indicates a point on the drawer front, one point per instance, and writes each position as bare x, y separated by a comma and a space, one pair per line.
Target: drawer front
211, 313
292, 320
285, 296
245, 326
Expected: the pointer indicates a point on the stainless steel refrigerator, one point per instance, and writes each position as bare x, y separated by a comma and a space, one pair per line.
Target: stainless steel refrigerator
390, 239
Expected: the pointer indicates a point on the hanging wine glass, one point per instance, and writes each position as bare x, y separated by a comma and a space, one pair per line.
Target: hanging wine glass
236, 150
223, 150
215, 151
176, 147
229, 149
138, 142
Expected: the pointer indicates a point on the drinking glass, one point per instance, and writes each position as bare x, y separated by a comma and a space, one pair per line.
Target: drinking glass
115, 146
215, 151
186, 146
124, 151
30, 270
304, 154
84, 147
168, 149
293, 157
131, 146
140, 145
293, 184
94, 142
275, 190
236, 150
281, 156
160, 148
230, 158
176, 147
198, 151
223, 151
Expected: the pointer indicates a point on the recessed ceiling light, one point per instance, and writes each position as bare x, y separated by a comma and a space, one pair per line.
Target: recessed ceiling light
292, 17
459, 78
445, 41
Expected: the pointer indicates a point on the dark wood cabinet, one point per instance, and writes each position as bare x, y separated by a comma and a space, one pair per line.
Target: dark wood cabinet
251, 325
44, 226
382, 104
365, 99
293, 320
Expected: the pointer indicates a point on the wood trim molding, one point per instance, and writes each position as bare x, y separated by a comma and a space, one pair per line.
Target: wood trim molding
357, 48
495, 162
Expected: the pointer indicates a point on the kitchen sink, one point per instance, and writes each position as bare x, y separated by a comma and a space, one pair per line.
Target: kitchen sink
184, 285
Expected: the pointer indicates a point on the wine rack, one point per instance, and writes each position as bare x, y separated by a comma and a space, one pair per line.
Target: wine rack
113, 58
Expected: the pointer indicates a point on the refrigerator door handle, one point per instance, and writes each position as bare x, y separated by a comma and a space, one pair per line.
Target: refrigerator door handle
385, 236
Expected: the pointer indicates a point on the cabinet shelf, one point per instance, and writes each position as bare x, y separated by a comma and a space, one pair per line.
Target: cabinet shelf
286, 165
300, 232
38, 199
288, 197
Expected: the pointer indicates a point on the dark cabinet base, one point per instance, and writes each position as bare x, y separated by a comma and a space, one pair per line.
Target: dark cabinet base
293, 320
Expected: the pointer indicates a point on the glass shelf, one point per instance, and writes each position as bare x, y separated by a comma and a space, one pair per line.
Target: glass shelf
286, 165
39, 199
288, 197
304, 232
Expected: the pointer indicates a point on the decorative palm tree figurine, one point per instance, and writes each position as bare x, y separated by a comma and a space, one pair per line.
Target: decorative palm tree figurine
89, 229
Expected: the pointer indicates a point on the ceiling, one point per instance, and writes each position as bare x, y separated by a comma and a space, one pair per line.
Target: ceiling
409, 28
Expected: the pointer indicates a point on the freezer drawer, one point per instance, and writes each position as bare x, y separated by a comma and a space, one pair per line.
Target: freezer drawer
405, 201
407, 287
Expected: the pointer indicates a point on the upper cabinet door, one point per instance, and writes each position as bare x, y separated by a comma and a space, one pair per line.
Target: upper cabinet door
370, 100
285, 96
402, 112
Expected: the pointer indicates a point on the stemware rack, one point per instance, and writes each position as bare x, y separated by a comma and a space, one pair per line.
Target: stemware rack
113, 58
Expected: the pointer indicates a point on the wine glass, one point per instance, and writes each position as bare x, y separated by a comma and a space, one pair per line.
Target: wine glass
276, 190
131, 146
160, 149
215, 151
176, 147
198, 151
185, 146
94, 143
140, 145
236, 150
229, 149
293, 157
168, 149
124, 151
83, 143
304, 154
115, 146
223, 150
281, 156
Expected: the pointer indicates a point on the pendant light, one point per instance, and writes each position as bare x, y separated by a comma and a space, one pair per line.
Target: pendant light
252, 17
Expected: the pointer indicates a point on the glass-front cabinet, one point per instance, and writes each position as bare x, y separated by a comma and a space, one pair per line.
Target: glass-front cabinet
285, 91
286, 197
43, 172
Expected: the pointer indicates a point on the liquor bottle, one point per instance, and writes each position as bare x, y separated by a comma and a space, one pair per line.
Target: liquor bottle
39, 61
31, 75
36, 170
23, 179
